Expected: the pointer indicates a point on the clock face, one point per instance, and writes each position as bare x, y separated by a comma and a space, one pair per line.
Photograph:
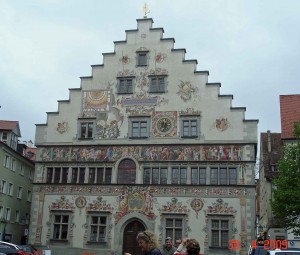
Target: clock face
164, 125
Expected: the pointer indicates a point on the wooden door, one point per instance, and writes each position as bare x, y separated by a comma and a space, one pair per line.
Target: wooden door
130, 244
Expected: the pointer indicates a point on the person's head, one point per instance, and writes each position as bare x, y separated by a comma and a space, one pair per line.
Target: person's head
192, 247
168, 242
177, 242
147, 241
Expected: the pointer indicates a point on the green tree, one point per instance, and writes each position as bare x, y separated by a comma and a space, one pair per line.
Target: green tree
286, 187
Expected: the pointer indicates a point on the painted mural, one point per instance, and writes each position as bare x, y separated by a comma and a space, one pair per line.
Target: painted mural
144, 153
62, 127
186, 90
135, 200
222, 124
219, 207
96, 101
164, 124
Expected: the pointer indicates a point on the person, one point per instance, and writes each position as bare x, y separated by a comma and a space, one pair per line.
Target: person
177, 242
192, 247
168, 248
181, 249
147, 243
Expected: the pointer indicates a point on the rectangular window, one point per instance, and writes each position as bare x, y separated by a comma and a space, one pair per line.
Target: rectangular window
232, 176
13, 165
189, 127
78, 174
219, 233
21, 169
17, 219
10, 189
179, 175
57, 175
29, 196
125, 85
198, 175
142, 58
223, 176
3, 186
157, 84
61, 226
98, 228
139, 127
7, 214
174, 227
6, 161
30, 174
86, 130
214, 176
100, 175
19, 194
1, 212
4, 137
155, 175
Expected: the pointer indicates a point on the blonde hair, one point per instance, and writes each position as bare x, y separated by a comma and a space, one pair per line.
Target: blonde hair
149, 238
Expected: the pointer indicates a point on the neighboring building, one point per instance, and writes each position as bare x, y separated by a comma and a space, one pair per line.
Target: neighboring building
16, 175
144, 143
271, 146
270, 153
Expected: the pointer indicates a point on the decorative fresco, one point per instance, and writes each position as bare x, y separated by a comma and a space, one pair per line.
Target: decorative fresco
62, 127
137, 200
108, 124
118, 190
190, 111
141, 101
144, 153
219, 207
125, 59
62, 204
164, 124
174, 207
96, 101
197, 205
222, 124
186, 90
99, 205
160, 57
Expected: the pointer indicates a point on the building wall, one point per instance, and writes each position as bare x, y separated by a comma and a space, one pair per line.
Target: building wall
9, 198
224, 139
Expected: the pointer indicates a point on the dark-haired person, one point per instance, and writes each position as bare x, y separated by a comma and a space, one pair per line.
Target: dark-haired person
168, 248
192, 247
148, 243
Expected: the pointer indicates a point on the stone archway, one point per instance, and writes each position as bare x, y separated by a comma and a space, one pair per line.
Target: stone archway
131, 230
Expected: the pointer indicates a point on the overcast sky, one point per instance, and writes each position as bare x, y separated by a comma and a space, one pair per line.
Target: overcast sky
252, 47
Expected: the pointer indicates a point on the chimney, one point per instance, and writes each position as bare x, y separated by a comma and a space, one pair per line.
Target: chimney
269, 140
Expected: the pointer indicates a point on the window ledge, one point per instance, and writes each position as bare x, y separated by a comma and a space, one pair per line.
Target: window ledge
58, 241
83, 138
189, 137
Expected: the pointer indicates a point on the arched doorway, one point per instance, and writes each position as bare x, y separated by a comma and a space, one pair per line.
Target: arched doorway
130, 244
126, 172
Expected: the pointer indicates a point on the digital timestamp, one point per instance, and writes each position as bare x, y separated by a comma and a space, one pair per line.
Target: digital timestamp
267, 244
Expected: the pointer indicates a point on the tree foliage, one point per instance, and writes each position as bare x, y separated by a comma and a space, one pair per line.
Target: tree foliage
286, 188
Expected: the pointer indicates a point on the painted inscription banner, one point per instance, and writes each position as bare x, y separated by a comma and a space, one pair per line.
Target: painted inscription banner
144, 153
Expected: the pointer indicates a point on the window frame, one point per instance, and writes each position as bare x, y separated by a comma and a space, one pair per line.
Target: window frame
186, 126
181, 171
212, 218
154, 84
7, 161
198, 178
3, 187
228, 177
139, 120
57, 174
86, 130
20, 192
142, 58
149, 175
60, 225
128, 85
10, 189
90, 216
175, 232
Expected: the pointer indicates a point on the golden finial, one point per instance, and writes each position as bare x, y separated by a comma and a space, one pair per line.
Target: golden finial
146, 10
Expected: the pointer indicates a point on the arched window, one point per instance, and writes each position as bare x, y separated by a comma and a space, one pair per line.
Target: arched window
126, 172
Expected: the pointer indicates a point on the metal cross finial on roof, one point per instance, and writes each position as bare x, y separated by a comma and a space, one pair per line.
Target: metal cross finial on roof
146, 10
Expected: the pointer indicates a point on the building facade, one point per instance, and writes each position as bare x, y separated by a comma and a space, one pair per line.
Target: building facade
16, 175
146, 142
